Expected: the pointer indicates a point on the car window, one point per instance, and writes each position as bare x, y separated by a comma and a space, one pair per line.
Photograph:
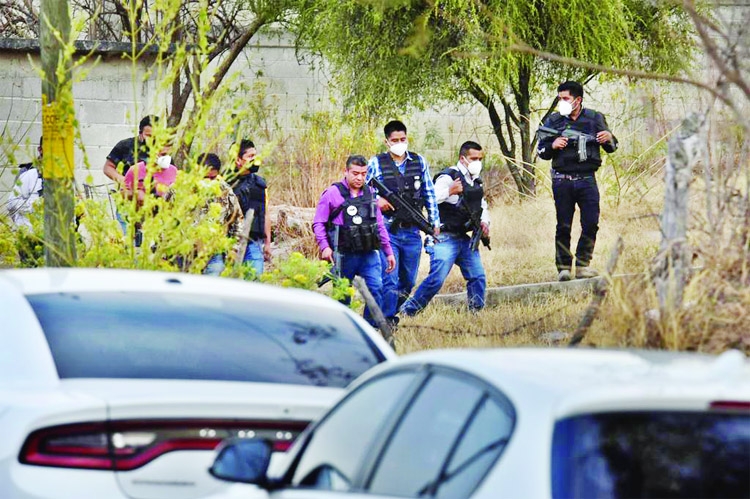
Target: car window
652, 454
180, 336
423, 439
478, 449
340, 443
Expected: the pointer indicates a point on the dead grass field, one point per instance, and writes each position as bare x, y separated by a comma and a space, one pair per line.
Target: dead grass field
716, 315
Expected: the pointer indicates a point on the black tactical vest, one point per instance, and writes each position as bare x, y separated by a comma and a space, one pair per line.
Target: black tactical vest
409, 185
359, 232
453, 217
589, 122
251, 193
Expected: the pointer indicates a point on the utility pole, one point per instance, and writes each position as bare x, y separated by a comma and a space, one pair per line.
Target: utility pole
57, 130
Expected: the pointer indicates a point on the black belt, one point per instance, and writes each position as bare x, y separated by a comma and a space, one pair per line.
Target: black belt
571, 176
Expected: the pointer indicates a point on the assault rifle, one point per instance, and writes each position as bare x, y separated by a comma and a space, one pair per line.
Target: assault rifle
336, 268
579, 138
398, 202
475, 224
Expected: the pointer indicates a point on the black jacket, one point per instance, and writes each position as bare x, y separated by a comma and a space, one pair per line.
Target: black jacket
250, 190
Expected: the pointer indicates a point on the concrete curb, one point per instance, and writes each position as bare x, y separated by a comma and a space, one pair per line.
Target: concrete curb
496, 296
504, 294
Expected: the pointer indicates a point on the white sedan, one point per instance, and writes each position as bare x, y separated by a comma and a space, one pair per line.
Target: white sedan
520, 423
121, 383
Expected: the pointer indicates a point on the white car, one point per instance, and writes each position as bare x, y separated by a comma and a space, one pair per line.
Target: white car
519, 423
117, 383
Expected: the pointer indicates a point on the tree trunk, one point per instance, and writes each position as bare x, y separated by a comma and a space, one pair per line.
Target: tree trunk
672, 264
523, 102
235, 49
57, 130
507, 147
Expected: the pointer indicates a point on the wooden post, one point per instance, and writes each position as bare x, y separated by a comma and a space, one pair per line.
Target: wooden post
245, 238
377, 314
57, 130
672, 264
600, 292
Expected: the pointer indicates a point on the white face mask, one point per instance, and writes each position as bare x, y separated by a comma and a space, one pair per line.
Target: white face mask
399, 148
565, 107
475, 168
163, 162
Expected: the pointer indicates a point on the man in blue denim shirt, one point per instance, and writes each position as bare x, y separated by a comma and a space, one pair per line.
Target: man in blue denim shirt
458, 190
408, 174
574, 161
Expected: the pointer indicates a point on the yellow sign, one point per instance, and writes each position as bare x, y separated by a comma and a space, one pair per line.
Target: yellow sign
57, 130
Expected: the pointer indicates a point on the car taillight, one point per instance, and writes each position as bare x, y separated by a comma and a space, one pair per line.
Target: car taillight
731, 405
127, 445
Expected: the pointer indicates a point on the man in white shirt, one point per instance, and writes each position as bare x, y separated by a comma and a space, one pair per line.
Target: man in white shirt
27, 190
460, 198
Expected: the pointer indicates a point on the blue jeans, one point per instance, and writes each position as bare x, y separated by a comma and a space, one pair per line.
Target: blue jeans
121, 221
569, 193
215, 265
450, 249
367, 266
254, 256
407, 248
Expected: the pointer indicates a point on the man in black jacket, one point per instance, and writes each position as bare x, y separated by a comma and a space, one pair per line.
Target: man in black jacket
574, 151
252, 193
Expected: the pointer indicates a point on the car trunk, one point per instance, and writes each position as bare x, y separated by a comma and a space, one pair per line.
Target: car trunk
162, 432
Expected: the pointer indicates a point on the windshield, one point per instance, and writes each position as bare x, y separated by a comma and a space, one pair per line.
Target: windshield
652, 454
179, 336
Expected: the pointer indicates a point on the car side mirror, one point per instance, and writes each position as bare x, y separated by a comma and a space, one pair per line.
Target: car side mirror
243, 460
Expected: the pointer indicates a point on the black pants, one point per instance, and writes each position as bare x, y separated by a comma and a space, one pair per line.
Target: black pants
569, 192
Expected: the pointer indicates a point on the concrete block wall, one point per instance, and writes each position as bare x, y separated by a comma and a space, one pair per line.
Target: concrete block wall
108, 108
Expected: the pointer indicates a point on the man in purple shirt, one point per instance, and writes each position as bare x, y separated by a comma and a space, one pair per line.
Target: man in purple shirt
348, 213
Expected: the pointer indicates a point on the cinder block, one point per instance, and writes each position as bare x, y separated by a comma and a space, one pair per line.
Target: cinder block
106, 113
17, 109
11, 87
96, 157
31, 88
98, 89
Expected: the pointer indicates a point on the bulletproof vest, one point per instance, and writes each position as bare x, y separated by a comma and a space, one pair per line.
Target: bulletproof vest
359, 232
453, 217
567, 160
409, 185
251, 193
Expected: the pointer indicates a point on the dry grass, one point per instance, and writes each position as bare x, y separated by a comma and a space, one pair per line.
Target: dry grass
716, 315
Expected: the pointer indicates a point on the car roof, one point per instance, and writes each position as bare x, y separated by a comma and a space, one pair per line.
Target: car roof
571, 379
57, 280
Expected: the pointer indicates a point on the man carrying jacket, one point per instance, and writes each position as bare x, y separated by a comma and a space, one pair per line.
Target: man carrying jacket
571, 138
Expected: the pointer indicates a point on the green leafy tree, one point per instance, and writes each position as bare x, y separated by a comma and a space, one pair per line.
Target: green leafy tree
403, 54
